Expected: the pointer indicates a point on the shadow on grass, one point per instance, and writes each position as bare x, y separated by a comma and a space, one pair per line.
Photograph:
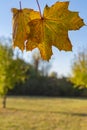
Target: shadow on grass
51, 112
74, 114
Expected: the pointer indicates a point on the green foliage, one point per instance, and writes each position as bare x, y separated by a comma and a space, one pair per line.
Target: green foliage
16, 72
79, 70
5, 60
45, 86
11, 70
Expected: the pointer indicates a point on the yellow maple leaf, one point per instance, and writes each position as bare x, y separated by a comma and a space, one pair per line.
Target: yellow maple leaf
21, 30
52, 28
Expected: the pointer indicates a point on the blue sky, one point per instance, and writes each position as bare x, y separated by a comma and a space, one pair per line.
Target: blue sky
61, 61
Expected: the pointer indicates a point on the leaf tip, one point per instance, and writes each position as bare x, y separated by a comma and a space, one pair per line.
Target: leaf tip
46, 6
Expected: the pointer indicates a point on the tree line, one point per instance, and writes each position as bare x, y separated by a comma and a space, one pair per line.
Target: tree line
47, 86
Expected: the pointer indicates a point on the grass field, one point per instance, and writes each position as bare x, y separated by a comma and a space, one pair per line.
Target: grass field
43, 114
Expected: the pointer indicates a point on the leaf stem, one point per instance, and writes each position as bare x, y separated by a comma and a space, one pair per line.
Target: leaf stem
39, 7
20, 5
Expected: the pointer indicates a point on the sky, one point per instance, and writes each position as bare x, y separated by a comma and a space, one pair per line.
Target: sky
61, 61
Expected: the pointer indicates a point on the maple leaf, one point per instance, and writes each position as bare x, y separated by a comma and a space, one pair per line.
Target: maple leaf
52, 28
21, 30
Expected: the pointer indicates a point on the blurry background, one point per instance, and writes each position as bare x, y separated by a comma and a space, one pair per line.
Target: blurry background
60, 61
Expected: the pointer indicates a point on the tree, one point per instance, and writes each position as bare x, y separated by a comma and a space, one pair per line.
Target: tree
36, 59
5, 60
11, 71
53, 74
79, 70
41, 67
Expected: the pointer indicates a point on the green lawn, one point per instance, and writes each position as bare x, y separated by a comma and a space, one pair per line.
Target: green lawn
43, 114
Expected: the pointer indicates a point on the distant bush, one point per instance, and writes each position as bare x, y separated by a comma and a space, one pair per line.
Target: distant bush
48, 86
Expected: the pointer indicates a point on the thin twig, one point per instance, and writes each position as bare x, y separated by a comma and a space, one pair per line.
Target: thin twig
39, 8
